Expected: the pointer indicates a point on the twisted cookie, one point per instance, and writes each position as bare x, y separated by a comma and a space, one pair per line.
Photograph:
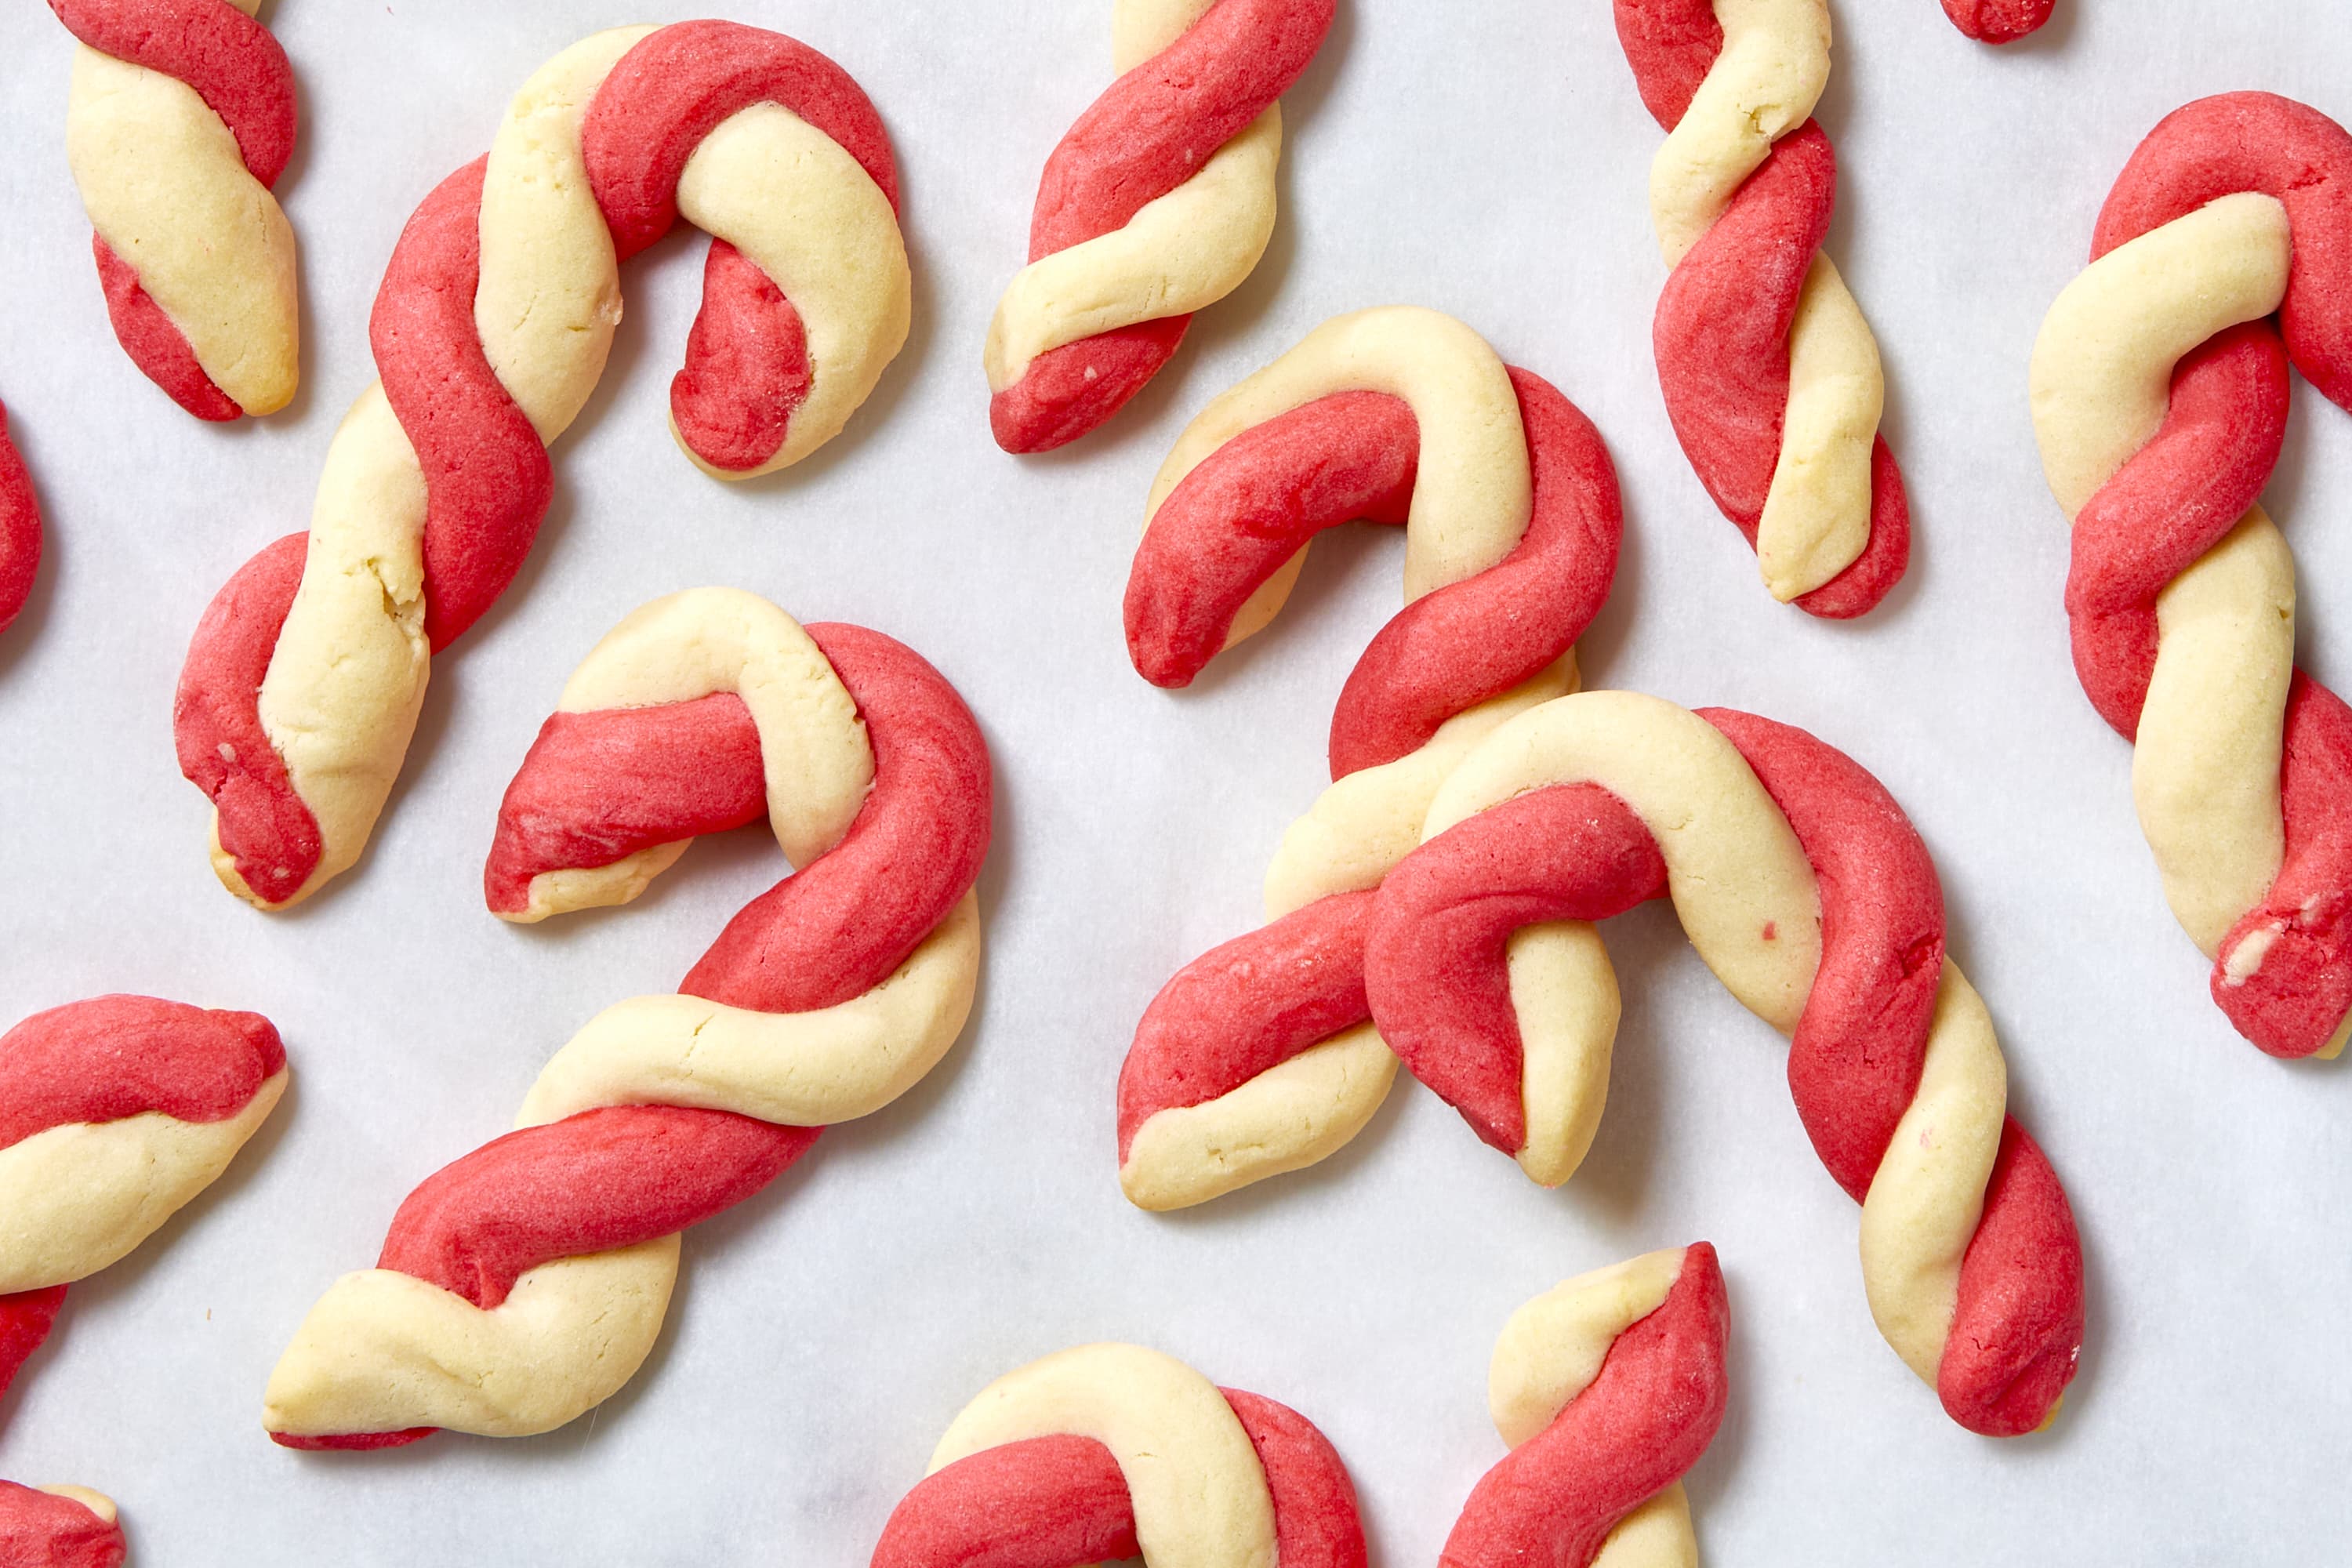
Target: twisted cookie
1111, 1452
1770, 373
303, 682
2160, 393
1809, 895
114, 1113
1158, 202
524, 1284
182, 119
59, 1526
1608, 1388
1258, 1058
20, 529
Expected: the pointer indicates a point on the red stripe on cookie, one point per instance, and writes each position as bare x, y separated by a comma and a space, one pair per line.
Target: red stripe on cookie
263, 825
26, 1320
231, 60
20, 529
115, 1057
1638, 1427
1997, 21
156, 345
42, 1529
1246, 1006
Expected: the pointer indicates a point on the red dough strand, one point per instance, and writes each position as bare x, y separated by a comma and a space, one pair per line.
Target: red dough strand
1999, 21
20, 529
42, 1529
1435, 978
243, 76
1047, 1502
1147, 134
2179, 494
26, 1320
1721, 330
1636, 1430
831, 931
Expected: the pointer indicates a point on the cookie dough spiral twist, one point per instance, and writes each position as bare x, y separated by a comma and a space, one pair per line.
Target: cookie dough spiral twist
490, 330
1807, 891
524, 1284
114, 1114
1770, 374
59, 1527
1257, 1058
181, 120
1157, 202
1111, 1452
1608, 1388
2160, 390
20, 529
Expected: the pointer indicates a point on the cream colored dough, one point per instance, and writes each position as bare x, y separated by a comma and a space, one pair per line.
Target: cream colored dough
1774, 64
1551, 1350
76, 1198
385, 1352
1472, 499
1181, 252
2205, 770
98, 1503
1748, 900
1199, 1492
347, 675
165, 187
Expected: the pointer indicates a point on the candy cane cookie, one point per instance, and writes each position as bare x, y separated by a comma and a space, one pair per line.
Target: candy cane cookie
1807, 891
491, 328
1111, 1452
20, 529
1156, 203
1608, 1388
1770, 374
524, 1284
59, 1526
2160, 389
1999, 21
181, 120
1259, 1057
114, 1114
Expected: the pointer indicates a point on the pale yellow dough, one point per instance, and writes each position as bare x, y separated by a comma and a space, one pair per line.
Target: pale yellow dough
77, 1197
1551, 1350
1748, 900
382, 1351
1181, 252
2205, 767
1774, 64
1472, 499
165, 187
98, 1503
1199, 1492
348, 676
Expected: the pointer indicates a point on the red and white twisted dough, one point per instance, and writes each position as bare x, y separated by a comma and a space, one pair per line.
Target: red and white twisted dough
1258, 1058
2160, 390
1111, 1452
20, 529
1608, 1388
490, 330
1157, 202
524, 1284
114, 1113
1770, 374
181, 120
1807, 891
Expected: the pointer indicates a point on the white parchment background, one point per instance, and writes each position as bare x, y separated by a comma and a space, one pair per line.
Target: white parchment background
1488, 159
